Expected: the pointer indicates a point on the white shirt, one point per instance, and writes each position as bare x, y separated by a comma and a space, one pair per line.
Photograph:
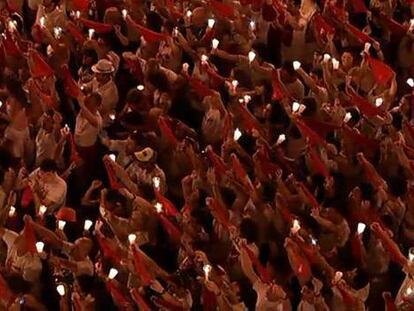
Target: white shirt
109, 94
83, 267
85, 133
54, 190
45, 146
28, 265
263, 304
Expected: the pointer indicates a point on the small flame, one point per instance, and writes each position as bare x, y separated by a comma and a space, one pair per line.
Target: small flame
61, 224
132, 238
112, 157
124, 13
295, 106
112, 273
215, 43
378, 102
12, 211
158, 207
280, 139
91, 32
348, 116
207, 270
140, 87
156, 181
410, 82
211, 22
42, 21
237, 134
39, 247
296, 65
61, 290
88, 224
361, 227
42, 210
251, 56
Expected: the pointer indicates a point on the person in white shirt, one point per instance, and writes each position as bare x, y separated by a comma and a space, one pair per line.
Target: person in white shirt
19, 259
104, 85
48, 137
78, 261
49, 188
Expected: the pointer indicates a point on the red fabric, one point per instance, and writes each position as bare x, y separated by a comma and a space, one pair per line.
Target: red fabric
261, 270
311, 198
169, 207
322, 128
108, 250
240, 172
37, 34
214, 78
389, 244
74, 155
268, 12
80, 5
307, 132
113, 180
209, 35
358, 34
356, 247
286, 214
389, 302
30, 238
140, 267
218, 211
149, 35
407, 126
248, 120
173, 232
299, 264
364, 106
6, 296
395, 27
27, 197
118, 296
175, 13
209, 300
371, 174
135, 68
200, 88
10, 46
97, 26
166, 131
267, 166
139, 300
75, 32
317, 164
359, 6
322, 27
67, 214
220, 167
381, 72
278, 92
166, 305
228, 126
2, 56
222, 9
71, 87
39, 68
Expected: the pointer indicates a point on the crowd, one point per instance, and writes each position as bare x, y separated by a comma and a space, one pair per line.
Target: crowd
207, 155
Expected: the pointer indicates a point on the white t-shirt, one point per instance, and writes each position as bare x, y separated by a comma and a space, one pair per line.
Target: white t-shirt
263, 304
28, 265
45, 146
55, 190
109, 94
85, 133
84, 267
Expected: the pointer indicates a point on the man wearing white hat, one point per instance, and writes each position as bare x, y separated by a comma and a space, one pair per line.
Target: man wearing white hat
103, 84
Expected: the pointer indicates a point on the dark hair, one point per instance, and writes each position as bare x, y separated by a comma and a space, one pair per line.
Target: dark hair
288, 67
88, 52
248, 230
311, 105
159, 80
154, 21
48, 165
15, 90
134, 96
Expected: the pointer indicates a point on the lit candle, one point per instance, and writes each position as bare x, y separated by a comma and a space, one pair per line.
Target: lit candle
252, 26
175, 32
204, 59
338, 276
411, 24
91, 33
77, 14
1, 104
296, 65
156, 182
112, 157
215, 43
378, 102
326, 57
42, 210
185, 67
251, 56
132, 238
280, 139
158, 207
12, 211
237, 134
335, 64
295, 226
124, 13
314, 241
410, 82
189, 14
57, 31
112, 116
112, 273
361, 227
247, 98
211, 23
295, 106
409, 291
348, 116
42, 21
88, 224
140, 87
207, 270
234, 84
12, 26
61, 224
61, 290
39, 247
367, 47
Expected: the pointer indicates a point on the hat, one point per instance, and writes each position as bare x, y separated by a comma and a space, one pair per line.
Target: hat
145, 155
103, 66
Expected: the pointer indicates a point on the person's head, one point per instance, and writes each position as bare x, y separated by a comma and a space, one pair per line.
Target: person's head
347, 60
146, 157
103, 71
48, 169
83, 247
93, 102
89, 57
